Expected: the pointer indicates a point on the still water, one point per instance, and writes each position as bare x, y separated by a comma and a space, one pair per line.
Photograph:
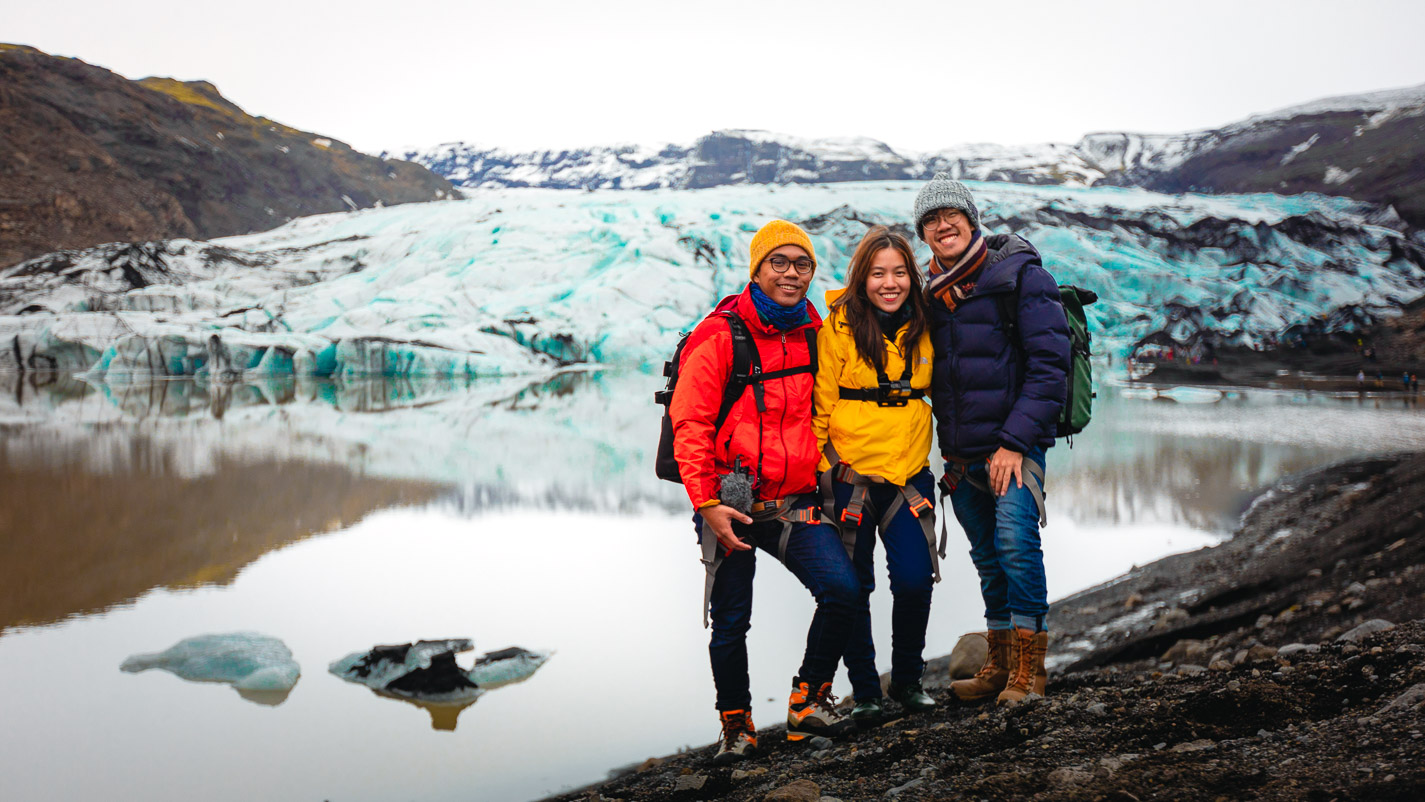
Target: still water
340, 516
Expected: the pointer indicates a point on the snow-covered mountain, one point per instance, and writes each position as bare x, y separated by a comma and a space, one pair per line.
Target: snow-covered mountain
1366, 146
520, 281
746, 157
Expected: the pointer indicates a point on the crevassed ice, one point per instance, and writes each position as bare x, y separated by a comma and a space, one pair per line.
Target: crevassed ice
520, 281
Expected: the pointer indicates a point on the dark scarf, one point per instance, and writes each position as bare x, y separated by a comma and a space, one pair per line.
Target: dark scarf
891, 322
781, 318
952, 285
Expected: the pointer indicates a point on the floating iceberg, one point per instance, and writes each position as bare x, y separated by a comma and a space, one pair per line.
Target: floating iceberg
427, 671
1192, 395
1182, 395
260, 667
422, 670
425, 674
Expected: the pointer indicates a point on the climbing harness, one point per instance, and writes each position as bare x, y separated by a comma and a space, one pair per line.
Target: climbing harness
859, 505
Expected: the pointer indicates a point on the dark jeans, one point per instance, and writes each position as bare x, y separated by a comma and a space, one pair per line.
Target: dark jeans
819, 561
912, 579
1004, 544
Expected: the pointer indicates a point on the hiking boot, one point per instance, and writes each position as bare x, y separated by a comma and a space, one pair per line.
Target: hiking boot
813, 712
912, 697
993, 675
739, 738
1026, 673
868, 712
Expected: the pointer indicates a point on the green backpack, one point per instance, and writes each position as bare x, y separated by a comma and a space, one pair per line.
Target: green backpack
1078, 406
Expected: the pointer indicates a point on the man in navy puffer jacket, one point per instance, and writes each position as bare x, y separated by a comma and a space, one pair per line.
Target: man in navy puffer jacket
1001, 360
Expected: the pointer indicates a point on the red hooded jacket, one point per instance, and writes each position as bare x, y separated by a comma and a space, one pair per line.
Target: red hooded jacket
779, 443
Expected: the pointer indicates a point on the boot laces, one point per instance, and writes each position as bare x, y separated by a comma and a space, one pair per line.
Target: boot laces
824, 697
991, 664
1024, 667
734, 725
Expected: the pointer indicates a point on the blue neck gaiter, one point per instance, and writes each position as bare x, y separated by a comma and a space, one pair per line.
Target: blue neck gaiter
781, 318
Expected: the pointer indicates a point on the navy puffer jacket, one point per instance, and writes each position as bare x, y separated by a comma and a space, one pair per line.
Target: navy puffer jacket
986, 391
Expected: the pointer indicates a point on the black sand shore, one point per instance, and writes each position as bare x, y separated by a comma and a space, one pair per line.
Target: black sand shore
1285, 663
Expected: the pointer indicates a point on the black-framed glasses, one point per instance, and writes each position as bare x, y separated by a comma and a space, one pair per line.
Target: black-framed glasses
940, 217
780, 264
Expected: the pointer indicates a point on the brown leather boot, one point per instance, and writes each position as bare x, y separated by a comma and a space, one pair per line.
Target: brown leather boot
993, 675
1026, 659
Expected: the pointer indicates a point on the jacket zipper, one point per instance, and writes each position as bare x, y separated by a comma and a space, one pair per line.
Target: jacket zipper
955, 372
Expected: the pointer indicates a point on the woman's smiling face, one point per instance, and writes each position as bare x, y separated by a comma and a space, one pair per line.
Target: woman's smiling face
888, 282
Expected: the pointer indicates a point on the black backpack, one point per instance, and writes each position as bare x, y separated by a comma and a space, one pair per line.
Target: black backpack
746, 371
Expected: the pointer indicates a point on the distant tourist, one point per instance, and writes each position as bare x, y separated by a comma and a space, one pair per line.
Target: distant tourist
762, 458
1361, 379
1414, 383
1405, 380
874, 427
996, 400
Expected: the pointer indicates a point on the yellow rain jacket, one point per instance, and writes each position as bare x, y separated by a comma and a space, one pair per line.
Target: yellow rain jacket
890, 442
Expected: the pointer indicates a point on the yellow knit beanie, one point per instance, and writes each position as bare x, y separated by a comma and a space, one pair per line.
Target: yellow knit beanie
773, 236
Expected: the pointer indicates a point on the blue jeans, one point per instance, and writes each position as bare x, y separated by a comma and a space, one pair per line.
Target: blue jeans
819, 561
912, 579
1004, 545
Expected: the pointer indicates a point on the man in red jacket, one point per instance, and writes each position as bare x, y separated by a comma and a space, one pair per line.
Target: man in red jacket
767, 432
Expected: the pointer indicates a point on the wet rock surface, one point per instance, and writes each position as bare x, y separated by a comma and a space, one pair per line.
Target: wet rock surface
1275, 703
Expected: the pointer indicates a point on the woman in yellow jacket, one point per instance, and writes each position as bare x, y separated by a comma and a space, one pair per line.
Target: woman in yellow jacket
873, 425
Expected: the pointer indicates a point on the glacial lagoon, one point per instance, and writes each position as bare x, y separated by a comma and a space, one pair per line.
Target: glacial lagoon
336, 516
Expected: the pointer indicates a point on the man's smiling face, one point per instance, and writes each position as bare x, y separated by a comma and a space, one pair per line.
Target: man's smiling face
786, 289
947, 232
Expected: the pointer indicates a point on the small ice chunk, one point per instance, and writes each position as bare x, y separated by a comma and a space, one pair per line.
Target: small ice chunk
427, 671
424, 670
1191, 395
246, 660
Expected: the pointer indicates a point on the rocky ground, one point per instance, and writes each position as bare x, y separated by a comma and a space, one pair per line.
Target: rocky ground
1285, 663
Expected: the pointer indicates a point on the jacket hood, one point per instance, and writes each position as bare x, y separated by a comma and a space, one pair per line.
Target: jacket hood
1007, 254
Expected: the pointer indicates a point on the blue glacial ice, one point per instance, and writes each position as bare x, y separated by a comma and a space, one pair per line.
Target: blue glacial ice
522, 281
252, 663
506, 667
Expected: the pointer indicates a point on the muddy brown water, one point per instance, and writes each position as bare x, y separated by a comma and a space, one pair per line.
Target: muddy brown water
336, 516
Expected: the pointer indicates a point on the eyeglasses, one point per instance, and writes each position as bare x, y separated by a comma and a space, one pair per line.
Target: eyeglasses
940, 217
780, 264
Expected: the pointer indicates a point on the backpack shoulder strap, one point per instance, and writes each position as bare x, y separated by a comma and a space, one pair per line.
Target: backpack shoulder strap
745, 362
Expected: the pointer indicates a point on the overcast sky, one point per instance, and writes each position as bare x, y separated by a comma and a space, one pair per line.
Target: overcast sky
918, 75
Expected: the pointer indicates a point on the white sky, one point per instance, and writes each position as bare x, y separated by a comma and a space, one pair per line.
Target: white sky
917, 75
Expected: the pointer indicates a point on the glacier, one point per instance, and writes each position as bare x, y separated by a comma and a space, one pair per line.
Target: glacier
526, 281
260, 667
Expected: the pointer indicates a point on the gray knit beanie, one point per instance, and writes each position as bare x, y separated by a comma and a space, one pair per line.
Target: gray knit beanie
944, 192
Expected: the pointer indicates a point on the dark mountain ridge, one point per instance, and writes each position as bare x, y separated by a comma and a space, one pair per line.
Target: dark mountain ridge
88, 156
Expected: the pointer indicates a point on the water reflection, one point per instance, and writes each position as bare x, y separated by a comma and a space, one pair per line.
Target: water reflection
116, 489
77, 541
443, 717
